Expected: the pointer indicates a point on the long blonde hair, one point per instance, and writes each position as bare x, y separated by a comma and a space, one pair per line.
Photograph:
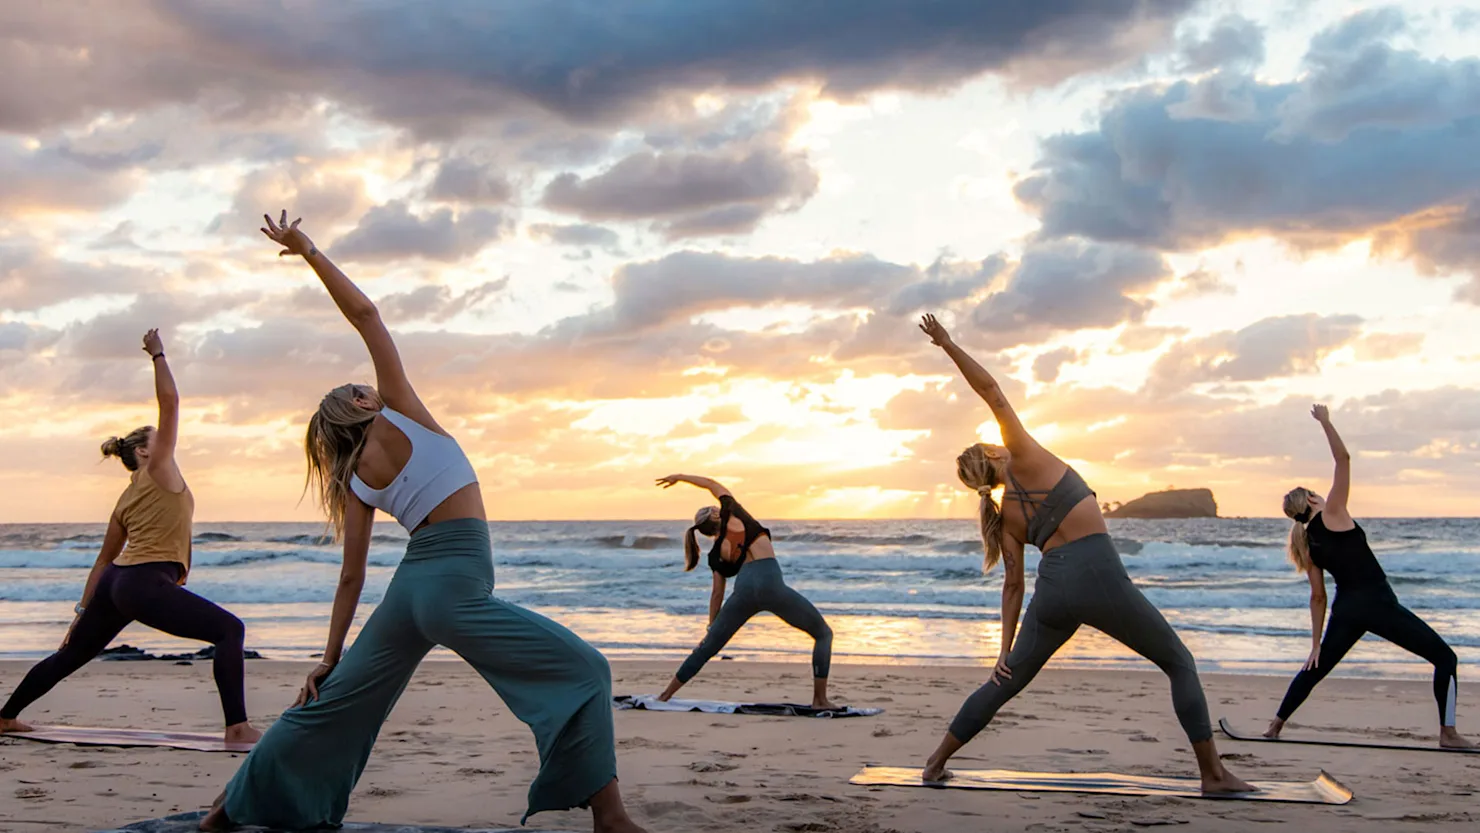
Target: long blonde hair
336, 436
1297, 504
706, 522
124, 447
984, 474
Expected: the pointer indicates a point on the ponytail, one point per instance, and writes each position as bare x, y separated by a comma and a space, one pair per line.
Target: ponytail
706, 522
982, 473
124, 448
690, 550
1297, 509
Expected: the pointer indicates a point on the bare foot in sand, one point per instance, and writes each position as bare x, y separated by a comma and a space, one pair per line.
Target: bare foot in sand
243, 733
824, 704
10, 724
1448, 739
1227, 783
1273, 732
935, 773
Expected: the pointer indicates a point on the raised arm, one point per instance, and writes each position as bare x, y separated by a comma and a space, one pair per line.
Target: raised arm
167, 430
362, 314
1014, 435
359, 521
694, 480
1341, 482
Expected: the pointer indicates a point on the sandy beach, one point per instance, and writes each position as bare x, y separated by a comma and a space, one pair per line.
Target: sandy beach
451, 754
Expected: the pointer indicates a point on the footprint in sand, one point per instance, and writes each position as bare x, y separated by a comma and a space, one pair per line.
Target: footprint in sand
727, 799
32, 794
712, 766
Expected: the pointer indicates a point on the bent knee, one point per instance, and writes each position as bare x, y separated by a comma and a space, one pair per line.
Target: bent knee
1447, 661
232, 630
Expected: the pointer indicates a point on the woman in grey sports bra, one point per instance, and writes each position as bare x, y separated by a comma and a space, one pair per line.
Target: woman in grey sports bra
381, 449
1081, 580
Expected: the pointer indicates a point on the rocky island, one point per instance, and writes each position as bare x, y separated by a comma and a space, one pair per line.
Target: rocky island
1171, 503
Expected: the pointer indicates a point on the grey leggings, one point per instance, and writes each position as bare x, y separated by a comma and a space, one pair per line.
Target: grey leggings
1083, 582
760, 587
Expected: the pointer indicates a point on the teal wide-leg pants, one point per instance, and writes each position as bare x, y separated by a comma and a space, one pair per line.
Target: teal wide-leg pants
301, 773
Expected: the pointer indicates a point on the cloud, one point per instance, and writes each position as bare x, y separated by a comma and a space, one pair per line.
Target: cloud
1371, 140
1381, 347
1047, 365
1270, 348
945, 282
696, 194
391, 232
321, 195
437, 302
31, 278
467, 181
1233, 41
1200, 282
44, 179
1069, 285
576, 234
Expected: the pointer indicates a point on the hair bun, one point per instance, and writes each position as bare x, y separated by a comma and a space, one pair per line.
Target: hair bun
112, 447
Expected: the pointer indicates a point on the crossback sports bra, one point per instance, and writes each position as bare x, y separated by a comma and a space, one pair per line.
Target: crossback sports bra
728, 506
436, 469
1056, 504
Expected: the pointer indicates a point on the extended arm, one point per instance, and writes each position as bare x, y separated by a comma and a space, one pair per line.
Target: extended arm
1012, 599
113, 541
716, 596
358, 525
694, 480
1341, 482
1014, 435
1317, 611
362, 314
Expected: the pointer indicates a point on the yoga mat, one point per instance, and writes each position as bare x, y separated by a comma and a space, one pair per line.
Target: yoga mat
1323, 790
96, 736
1256, 737
648, 702
189, 822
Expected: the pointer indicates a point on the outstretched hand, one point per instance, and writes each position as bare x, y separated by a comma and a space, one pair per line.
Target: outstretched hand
670, 480
289, 236
153, 344
1321, 413
933, 328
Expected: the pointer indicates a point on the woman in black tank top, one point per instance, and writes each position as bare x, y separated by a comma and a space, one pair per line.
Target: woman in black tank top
1325, 539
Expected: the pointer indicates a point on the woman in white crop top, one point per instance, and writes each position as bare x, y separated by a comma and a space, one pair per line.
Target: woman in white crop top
379, 448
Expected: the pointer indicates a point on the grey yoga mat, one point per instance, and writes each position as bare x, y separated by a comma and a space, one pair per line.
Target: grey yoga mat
188, 823
1254, 737
100, 736
1323, 790
648, 702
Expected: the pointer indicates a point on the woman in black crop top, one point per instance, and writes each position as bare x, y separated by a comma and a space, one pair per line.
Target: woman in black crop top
742, 547
1324, 538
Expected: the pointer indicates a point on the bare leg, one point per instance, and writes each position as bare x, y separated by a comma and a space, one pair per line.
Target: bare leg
819, 694
673, 686
1216, 779
609, 815
13, 724
243, 732
935, 769
1451, 739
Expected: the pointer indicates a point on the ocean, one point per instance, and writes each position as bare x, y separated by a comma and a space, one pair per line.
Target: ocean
894, 591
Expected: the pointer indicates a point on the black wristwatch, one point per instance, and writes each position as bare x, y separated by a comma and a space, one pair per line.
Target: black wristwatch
158, 355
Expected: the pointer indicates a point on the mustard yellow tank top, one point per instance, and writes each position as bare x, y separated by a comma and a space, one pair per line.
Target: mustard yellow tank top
158, 523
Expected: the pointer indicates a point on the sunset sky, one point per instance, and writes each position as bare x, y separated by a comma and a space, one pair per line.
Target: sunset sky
622, 239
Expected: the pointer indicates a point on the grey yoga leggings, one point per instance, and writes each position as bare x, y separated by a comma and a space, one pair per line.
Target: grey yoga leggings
760, 587
1083, 582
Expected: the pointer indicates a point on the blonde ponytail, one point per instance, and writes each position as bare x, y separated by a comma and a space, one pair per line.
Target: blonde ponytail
335, 438
981, 473
1297, 505
706, 521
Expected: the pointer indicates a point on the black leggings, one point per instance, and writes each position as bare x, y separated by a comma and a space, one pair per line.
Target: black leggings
1375, 609
147, 593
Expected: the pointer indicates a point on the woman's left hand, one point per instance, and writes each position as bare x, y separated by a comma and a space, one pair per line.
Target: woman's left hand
668, 481
933, 328
1001, 674
310, 690
293, 240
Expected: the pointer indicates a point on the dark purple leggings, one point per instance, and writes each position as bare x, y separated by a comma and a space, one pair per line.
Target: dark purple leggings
145, 593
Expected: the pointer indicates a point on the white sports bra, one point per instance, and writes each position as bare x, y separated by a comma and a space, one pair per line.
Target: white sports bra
437, 468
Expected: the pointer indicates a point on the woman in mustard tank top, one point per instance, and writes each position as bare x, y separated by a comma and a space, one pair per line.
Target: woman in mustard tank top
140, 573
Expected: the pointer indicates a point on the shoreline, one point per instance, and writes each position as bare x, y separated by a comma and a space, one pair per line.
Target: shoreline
452, 754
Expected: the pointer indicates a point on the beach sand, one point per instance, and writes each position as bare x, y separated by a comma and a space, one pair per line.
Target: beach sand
451, 753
